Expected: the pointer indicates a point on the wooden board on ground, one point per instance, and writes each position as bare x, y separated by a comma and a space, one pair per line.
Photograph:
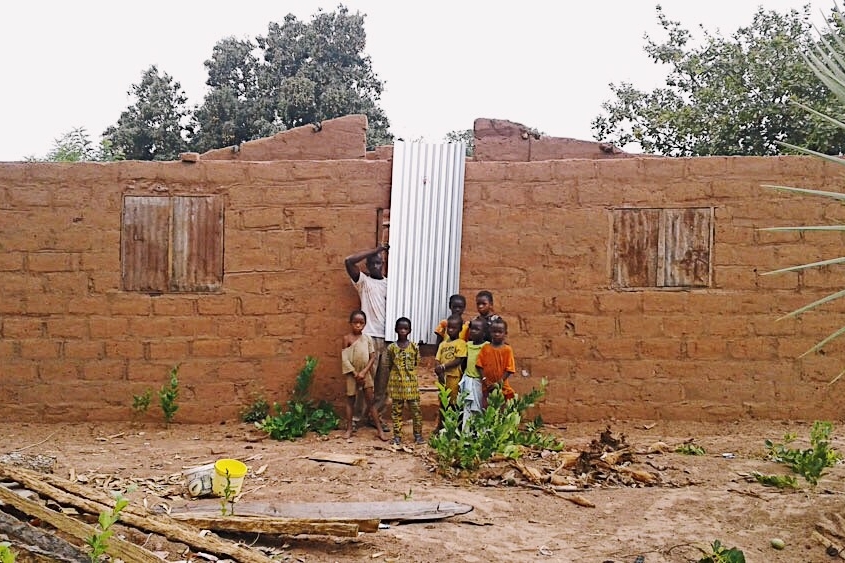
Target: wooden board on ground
345, 459
274, 525
388, 510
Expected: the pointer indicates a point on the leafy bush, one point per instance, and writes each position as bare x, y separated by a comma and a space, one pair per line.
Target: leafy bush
257, 410
141, 403
809, 463
495, 431
300, 413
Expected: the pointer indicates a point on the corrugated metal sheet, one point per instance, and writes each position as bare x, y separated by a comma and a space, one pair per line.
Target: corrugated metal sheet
426, 219
662, 247
197, 243
172, 243
145, 243
687, 244
636, 235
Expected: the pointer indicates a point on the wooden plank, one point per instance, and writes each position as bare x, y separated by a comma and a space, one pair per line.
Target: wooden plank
117, 547
345, 459
65, 492
266, 525
388, 510
367, 525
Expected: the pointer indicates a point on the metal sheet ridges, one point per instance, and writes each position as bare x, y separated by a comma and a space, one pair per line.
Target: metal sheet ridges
426, 220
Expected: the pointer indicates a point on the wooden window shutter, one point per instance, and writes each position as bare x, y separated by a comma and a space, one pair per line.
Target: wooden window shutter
687, 243
197, 243
635, 247
145, 243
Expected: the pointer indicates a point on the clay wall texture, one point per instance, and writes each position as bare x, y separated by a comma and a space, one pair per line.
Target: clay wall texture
74, 346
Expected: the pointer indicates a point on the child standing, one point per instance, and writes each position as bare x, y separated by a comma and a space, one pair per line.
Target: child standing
457, 306
403, 357
484, 304
495, 361
451, 357
471, 381
357, 358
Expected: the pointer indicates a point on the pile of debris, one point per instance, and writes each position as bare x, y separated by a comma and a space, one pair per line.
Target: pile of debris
608, 461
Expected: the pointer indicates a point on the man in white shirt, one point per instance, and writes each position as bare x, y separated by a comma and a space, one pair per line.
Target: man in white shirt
372, 289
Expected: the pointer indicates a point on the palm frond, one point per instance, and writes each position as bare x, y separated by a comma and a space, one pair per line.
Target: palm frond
833, 195
813, 305
806, 228
805, 266
820, 345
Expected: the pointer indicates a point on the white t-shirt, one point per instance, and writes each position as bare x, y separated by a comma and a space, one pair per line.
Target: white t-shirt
373, 294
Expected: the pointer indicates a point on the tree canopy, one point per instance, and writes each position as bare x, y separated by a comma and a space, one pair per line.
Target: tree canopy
76, 146
298, 73
728, 96
156, 126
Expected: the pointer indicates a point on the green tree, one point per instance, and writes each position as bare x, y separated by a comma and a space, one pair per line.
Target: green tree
305, 72
465, 135
235, 109
76, 146
728, 96
156, 126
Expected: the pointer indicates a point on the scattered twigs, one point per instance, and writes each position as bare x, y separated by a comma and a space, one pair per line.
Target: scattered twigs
35, 444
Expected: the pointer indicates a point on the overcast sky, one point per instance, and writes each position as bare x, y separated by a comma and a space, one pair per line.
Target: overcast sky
546, 64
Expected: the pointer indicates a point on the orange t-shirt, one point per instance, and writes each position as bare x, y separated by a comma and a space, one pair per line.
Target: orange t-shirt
441, 330
494, 363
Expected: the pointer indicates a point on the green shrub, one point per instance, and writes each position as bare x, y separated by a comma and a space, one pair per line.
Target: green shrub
257, 410
141, 403
300, 414
811, 462
494, 431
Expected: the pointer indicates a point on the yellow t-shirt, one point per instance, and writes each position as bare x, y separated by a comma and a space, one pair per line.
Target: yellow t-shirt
448, 351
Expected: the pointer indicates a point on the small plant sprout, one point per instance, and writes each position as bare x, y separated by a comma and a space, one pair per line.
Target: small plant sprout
408, 495
717, 553
779, 481
168, 395
228, 497
99, 541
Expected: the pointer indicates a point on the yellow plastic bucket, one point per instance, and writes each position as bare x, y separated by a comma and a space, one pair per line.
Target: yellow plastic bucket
234, 470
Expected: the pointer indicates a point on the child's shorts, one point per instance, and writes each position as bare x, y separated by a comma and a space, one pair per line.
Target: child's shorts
353, 385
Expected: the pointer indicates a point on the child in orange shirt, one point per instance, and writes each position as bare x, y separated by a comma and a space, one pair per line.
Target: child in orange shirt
495, 362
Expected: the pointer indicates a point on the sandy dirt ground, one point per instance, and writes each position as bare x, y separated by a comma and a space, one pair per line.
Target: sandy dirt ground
700, 498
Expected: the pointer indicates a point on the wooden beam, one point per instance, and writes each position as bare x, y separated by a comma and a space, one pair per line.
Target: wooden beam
265, 525
117, 547
132, 516
402, 511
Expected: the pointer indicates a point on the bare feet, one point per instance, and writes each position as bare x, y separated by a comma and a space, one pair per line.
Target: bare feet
382, 436
348, 434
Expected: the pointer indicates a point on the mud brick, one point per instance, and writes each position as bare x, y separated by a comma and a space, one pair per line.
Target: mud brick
215, 347
84, 349
174, 305
37, 349
105, 370
217, 305
126, 349
171, 350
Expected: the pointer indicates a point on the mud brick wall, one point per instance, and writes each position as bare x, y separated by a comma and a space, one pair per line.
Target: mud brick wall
74, 346
538, 235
